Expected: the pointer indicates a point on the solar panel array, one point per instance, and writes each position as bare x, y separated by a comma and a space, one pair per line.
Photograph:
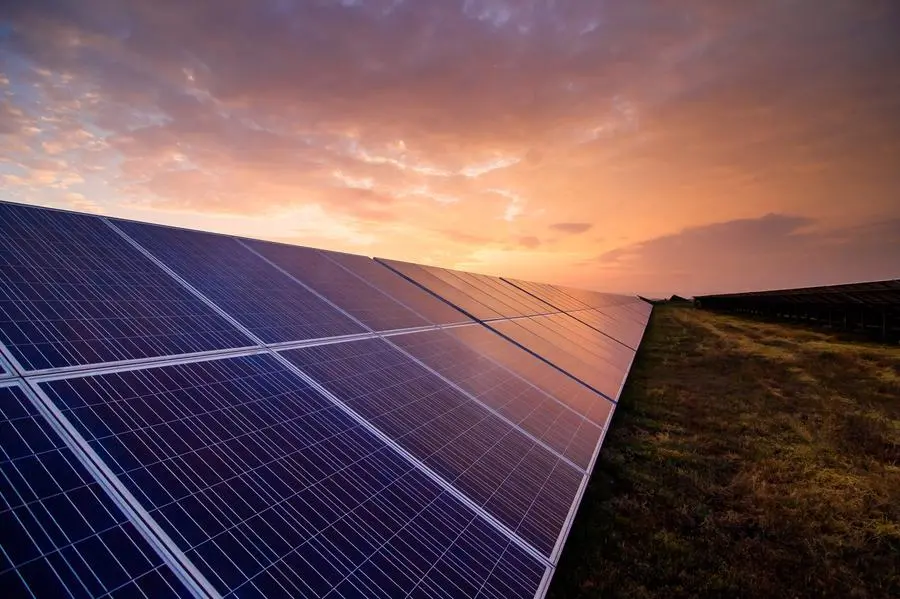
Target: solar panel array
191, 414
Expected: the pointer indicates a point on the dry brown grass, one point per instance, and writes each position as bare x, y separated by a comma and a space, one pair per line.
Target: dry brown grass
746, 459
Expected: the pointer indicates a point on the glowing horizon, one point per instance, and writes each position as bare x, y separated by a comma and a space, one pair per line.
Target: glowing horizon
621, 146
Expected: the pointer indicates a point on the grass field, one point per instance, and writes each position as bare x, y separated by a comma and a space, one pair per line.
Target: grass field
746, 459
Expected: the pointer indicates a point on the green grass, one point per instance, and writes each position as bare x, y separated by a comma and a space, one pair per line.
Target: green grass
746, 459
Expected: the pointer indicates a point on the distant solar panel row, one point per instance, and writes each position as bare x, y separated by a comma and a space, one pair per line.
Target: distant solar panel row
284, 421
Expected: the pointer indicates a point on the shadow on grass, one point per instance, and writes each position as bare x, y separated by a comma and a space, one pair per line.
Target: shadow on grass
745, 459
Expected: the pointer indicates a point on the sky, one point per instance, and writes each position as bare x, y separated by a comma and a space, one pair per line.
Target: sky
641, 146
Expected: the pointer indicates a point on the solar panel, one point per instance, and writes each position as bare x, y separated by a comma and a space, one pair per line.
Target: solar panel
409, 294
505, 471
538, 373
74, 292
549, 294
567, 332
388, 445
547, 418
503, 305
616, 306
60, 534
497, 286
267, 302
578, 363
369, 304
428, 280
273, 491
639, 307
503, 298
623, 330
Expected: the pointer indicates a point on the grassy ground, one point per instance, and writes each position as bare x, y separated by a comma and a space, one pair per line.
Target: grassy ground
746, 459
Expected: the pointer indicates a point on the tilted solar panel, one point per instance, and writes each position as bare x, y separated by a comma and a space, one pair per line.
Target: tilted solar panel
273, 491
60, 534
549, 419
576, 361
524, 485
624, 320
569, 332
495, 286
369, 304
408, 461
506, 306
623, 330
73, 292
409, 294
641, 308
549, 294
563, 387
480, 308
269, 303
617, 306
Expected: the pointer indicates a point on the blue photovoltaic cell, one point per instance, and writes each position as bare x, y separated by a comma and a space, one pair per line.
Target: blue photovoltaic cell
273, 491
72, 292
549, 419
60, 534
417, 299
373, 308
519, 482
270, 304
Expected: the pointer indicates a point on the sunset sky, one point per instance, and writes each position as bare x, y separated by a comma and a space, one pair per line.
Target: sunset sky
642, 146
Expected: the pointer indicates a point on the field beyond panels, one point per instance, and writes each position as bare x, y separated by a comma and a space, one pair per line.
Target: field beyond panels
746, 459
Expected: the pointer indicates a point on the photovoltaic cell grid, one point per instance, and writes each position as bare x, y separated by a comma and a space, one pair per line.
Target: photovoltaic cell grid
562, 329
272, 491
523, 485
60, 534
624, 331
501, 303
576, 360
409, 294
478, 290
73, 292
354, 295
270, 488
623, 306
495, 285
549, 294
270, 304
554, 422
479, 309
538, 373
